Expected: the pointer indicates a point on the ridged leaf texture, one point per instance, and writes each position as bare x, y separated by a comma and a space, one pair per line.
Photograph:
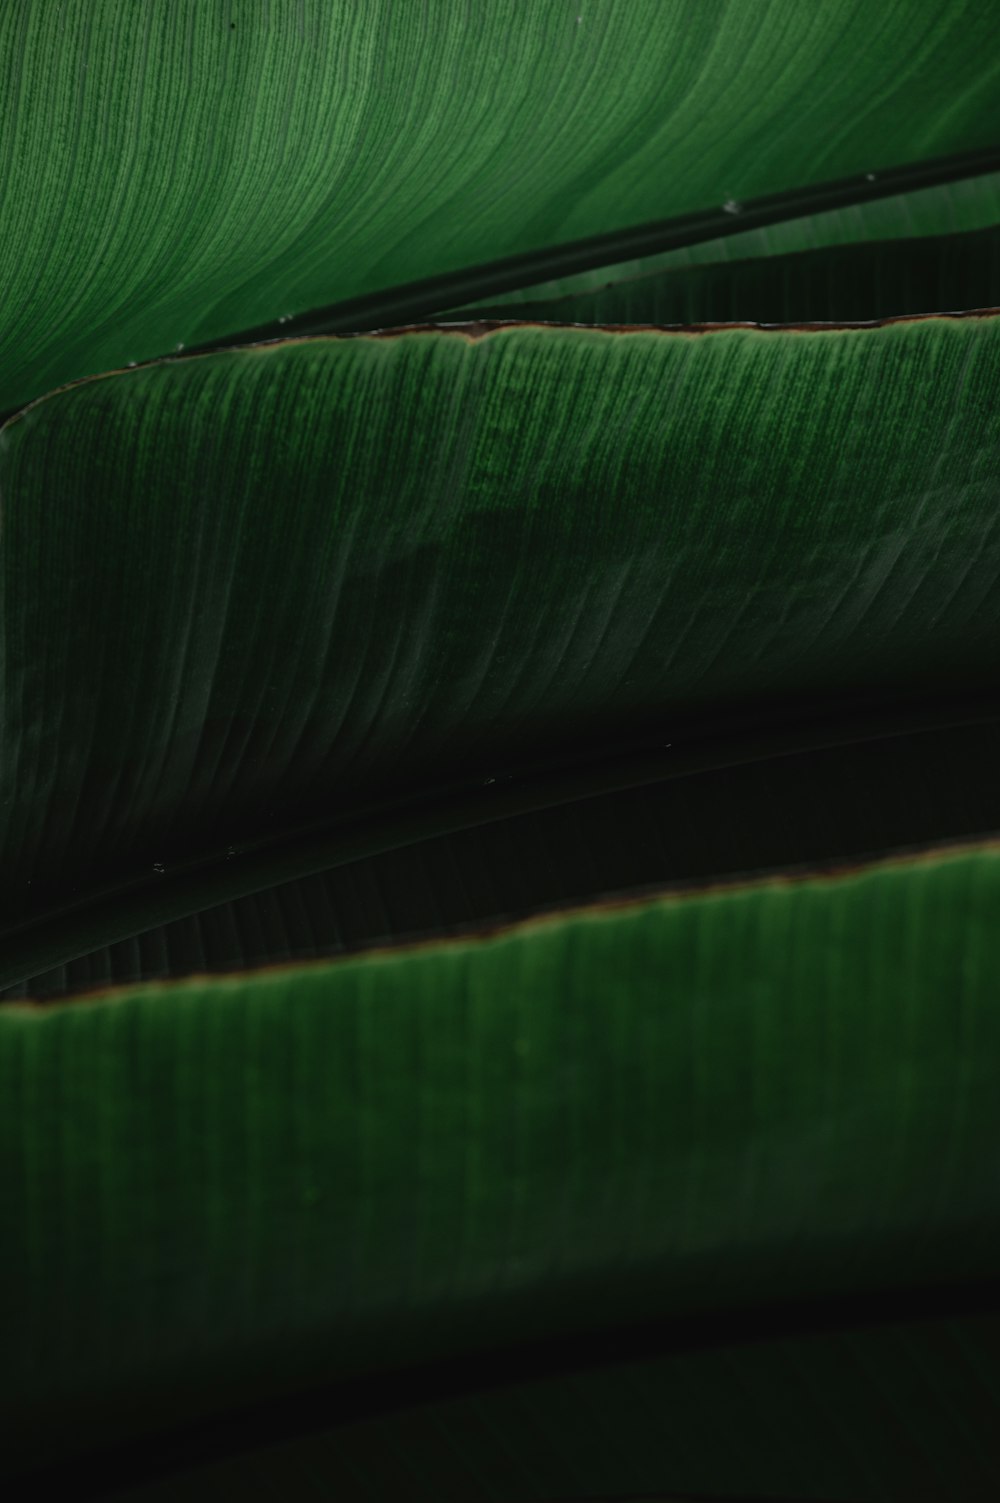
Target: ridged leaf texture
499, 649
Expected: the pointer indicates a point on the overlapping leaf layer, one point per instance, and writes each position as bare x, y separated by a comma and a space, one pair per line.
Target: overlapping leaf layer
498, 820
172, 173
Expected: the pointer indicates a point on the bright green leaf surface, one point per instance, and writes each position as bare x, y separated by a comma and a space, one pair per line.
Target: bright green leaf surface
277, 581
174, 171
219, 1189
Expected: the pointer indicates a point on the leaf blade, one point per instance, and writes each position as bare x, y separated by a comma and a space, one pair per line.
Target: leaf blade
771, 1090
446, 519
323, 156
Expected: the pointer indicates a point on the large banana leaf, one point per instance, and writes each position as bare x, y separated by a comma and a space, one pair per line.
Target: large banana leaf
498, 817
225, 1187
506, 546
174, 172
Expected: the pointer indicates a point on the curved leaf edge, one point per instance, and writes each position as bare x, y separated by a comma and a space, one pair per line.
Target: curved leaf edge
68, 926
480, 328
415, 301
827, 874
417, 305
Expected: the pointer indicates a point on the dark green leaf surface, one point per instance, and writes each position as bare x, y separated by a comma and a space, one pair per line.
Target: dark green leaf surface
832, 805
843, 283
461, 628
898, 1411
224, 1188
284, 581
951, 208
175, 171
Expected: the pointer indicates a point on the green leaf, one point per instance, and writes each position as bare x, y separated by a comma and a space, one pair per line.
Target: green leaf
227, 1188
175, 171
949, 208
405, 1156
778, 810
551, 771
894, 1405
249, 590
